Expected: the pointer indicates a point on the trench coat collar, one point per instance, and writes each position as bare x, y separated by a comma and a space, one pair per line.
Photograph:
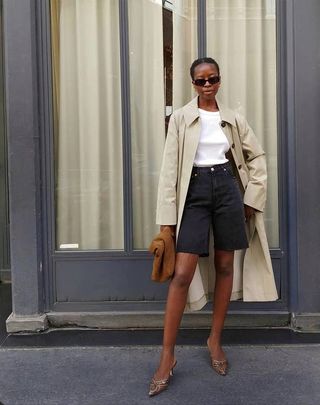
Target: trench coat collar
190, 112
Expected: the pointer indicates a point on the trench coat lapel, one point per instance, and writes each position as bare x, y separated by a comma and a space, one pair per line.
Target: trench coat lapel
190, 145
191, 116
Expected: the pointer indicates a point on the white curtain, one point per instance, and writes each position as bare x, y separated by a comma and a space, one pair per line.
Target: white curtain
241, 36
147, 113
185, 49
86, 75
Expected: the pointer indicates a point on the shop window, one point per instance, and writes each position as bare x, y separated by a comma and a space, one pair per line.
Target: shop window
89, 147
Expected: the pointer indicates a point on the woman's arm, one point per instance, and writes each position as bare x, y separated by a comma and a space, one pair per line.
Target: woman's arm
167, 188
256, 190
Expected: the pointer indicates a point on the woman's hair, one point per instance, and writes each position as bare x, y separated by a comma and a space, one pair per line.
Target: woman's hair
203, 60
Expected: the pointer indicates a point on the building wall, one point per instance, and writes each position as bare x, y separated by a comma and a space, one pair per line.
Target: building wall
299, 108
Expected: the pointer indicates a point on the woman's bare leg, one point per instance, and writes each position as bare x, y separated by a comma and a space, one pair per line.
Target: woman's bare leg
177, 297
222, 293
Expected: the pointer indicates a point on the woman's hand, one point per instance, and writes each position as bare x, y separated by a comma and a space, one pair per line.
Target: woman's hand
248, 212
172, 228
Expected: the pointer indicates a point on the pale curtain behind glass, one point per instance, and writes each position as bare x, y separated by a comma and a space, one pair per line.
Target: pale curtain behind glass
185, 49
86, 84
86, 77
147, 113
241, 36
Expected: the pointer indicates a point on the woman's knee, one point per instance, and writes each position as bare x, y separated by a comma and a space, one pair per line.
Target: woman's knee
184, 269
224, 269
224, 263
182, 279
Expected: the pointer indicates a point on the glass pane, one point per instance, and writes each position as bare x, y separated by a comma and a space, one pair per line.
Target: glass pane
87, 121
162, 42
242, 38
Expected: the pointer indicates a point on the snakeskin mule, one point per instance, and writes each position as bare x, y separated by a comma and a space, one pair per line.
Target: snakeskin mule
157, 386
220, 366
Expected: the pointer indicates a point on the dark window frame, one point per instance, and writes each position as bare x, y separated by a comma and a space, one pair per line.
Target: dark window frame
4, 189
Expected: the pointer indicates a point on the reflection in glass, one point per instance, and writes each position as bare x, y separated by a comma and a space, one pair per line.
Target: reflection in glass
162, 45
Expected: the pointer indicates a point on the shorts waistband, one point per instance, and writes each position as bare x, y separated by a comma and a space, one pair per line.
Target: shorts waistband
209, 168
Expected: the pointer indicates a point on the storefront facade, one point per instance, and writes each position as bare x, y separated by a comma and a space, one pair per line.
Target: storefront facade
89, 89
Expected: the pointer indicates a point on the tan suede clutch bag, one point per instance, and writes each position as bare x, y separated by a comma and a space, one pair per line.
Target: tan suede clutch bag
163, 249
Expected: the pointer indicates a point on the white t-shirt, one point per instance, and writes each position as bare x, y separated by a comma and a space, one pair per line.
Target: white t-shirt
213, 144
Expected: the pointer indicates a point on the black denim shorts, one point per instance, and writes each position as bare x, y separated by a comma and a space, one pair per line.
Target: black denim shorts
213, 197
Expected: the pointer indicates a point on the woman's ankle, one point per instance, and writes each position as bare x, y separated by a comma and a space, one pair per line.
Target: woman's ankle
168, 347
215, 339
168, 351
166, 360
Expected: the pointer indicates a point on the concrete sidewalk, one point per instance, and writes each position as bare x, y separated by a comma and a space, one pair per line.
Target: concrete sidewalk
258, 375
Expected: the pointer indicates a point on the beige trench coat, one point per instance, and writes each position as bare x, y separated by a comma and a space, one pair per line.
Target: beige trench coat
253, 273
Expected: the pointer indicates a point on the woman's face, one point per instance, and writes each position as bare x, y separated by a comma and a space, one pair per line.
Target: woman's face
204, 71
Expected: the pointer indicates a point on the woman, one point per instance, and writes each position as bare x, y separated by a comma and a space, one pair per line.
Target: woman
213, 174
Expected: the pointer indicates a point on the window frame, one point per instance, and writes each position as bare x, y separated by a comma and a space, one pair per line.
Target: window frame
53, 256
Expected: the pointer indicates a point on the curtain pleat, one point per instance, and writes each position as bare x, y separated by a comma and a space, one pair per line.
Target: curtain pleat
185, 49
147, 107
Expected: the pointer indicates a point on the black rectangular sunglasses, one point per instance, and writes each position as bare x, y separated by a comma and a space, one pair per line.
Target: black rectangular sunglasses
211, 80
